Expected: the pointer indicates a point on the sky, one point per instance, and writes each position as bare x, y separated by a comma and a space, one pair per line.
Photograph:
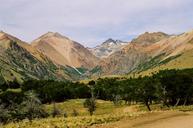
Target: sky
91, 22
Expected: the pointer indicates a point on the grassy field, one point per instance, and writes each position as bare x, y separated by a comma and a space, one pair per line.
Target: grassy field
103, 107
105, 113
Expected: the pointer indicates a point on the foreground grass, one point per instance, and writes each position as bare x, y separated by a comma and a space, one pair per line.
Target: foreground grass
61, 122
106, 113
103, 107
73, 122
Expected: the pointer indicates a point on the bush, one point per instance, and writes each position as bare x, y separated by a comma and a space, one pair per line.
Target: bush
65, 115
74, 112
10, 97
5, 115
91, 105
31, 107
56, 111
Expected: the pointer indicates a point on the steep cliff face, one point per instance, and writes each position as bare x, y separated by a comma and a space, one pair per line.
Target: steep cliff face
64, 51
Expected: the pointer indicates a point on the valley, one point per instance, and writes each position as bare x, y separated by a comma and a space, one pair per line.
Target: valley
96, 64
57, 82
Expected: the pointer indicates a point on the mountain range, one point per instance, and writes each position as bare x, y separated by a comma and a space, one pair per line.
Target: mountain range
107, 48
151, 52
54, 56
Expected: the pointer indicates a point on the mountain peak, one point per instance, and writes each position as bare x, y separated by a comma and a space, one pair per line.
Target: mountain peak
149, 38
64, 51
109, 41
107, 48
53, 34
1, 31
49, 35
4, 35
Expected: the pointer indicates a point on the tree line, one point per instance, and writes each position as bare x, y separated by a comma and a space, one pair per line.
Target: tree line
167, 87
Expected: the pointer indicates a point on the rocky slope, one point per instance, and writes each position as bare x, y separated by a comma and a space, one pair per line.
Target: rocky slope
174, 52
21, 61
64, 51
149, 38
53, 56
107, 48
148, 51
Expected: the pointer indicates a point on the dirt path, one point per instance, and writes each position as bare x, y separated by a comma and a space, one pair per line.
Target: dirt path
171, 119
173, 122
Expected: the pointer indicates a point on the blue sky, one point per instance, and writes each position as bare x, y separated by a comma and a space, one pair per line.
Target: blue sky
90, 22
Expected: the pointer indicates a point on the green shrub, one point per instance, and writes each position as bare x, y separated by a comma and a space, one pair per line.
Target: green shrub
91, 105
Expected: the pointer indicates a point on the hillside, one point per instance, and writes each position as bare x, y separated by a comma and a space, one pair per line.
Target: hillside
53, 56
176, 52
21, 61
64, 51
149, 38
150, 51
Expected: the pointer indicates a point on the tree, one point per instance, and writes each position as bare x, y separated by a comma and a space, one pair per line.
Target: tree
148, 90
31, 107
5, 115
90, 103
14, 84
55, 111
3, 87
177, 86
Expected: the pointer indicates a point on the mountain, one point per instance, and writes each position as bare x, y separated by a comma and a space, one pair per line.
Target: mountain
149, 38
64, 51
20, 61
53, 56
171, 53
107, 48
150, 51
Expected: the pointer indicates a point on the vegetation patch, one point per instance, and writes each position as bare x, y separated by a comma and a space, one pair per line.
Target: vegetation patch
96, 70
82, 70
149, 64
166, 90
169, 59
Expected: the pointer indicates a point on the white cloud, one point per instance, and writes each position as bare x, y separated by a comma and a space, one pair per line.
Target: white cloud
90, 21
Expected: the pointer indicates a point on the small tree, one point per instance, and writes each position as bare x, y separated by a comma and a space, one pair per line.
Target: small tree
31, 107
3, 87
117, 99
5, 114
55, 111
90, 103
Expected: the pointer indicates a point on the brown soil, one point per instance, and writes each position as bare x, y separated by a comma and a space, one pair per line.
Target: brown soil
171, 119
